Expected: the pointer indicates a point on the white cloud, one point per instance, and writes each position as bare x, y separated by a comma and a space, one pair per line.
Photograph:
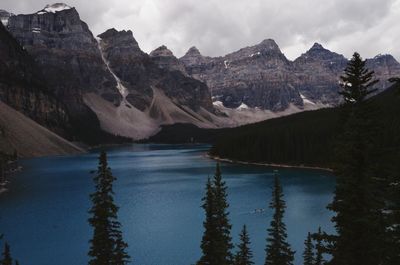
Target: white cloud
218, 27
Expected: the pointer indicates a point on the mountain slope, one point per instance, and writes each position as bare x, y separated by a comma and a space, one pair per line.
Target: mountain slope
28, 138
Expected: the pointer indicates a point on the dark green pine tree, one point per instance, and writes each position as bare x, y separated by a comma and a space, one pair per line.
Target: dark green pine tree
6, 260
278, 249
16, 262
107, 246
308, 254
216, 242
319, 258
357, 82
244, 255
208, 242
223, 230
392, 212
358, 199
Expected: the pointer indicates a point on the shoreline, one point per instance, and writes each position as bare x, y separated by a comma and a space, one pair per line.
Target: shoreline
266, 164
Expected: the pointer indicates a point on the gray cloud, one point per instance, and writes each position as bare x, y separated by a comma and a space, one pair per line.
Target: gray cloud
218, 27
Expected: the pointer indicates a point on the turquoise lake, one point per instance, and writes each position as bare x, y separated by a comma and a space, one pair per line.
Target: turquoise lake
159, 189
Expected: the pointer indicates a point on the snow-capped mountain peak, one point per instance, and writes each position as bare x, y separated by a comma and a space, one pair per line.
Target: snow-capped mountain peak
56, 7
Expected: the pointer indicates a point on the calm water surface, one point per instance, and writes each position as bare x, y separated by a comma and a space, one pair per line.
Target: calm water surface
159, 189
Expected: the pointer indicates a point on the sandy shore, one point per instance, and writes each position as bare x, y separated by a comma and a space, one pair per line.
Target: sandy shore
266, 164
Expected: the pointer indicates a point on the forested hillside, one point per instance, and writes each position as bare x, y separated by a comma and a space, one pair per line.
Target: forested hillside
307, 138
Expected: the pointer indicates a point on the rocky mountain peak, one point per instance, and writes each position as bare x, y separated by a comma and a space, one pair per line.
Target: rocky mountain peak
317, 46
165, 59
321, 54
384, 57
113, 33
53, 8
162, 51
123, 39
193, 57
269, 44
193, 51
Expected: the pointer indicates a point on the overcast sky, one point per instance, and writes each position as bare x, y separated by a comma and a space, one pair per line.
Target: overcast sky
218, 27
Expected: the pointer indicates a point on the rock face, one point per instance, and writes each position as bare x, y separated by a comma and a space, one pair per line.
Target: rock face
64, 47
141, 73
129, 63
165, 59
65, 50
258, 76
318, 72
385, 67
22, 86
261, 76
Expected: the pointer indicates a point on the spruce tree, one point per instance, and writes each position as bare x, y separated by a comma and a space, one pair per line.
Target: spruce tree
357, 200
319, 259
216, 242
223, 238
278, 249
107, 246
357, 82
244, 255
7, 260
392, 211
308, 254
207, 242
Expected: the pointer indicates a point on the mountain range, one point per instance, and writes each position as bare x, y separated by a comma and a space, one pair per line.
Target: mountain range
97, 89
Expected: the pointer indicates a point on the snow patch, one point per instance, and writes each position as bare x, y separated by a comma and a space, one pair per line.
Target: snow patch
53, 8
218, 103
242, 107
306, 100
255, 54
36, 30
226, 63
4, 21
121, 88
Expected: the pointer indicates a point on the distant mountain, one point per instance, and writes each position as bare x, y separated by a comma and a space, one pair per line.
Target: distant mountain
261, 76
258, 76
317, 72
107, 86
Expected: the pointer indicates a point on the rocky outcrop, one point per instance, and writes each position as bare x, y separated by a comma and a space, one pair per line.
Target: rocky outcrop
257, 76
130, 64
165, 59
